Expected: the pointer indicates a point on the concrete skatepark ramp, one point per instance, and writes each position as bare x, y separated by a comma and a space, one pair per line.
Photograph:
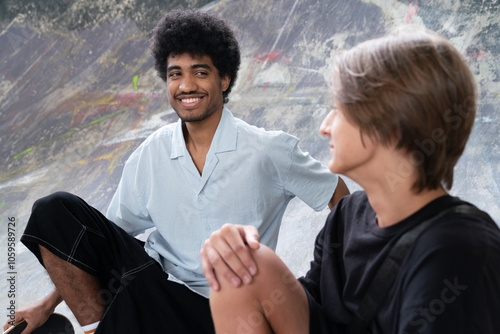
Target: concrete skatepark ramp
78, 94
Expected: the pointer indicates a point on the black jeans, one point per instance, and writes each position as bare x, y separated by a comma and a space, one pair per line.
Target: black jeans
137, 293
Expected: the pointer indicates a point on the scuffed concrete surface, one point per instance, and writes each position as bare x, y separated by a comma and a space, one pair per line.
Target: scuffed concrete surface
78, 94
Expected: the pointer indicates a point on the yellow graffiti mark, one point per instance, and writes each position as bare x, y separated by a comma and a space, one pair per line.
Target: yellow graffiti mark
114, 155
289, 91
105, 99
286, 94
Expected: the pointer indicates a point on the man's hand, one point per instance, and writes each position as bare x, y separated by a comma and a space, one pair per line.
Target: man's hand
35, 315
228, 252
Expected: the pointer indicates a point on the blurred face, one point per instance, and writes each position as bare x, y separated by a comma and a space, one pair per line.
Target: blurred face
349, 154
194, 87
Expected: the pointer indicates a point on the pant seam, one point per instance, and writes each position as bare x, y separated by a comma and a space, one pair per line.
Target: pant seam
69, 258
139, 268
77, 241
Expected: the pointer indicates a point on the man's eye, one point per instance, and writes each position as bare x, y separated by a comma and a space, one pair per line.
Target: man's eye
201, 73
173, 74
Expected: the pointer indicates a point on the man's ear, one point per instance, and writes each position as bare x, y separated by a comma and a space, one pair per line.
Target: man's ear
225, 81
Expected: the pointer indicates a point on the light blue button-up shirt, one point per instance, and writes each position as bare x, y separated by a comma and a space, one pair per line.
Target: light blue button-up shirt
249, 177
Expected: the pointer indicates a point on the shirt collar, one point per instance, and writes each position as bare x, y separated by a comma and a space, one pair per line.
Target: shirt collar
224, 140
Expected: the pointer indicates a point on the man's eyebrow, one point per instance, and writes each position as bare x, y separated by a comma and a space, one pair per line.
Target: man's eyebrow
171, 68
194, 66
205, 66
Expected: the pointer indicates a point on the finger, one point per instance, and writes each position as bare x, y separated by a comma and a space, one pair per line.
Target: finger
208, 270
223, 260
6, 326
251, 236
17, 318
236, 253
221, 250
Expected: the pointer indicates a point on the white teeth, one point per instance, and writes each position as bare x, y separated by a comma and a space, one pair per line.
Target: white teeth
191, 100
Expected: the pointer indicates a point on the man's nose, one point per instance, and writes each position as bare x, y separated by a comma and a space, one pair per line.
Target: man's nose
188, 84
324, 128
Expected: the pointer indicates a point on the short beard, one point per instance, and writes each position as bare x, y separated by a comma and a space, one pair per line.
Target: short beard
198, 118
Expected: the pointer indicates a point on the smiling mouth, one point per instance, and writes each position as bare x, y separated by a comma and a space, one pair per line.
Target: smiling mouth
190, 100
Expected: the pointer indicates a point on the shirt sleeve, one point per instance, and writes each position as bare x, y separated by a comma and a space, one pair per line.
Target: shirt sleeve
128, 208
309, 180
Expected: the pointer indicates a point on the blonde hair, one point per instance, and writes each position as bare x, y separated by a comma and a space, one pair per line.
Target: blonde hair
413, 90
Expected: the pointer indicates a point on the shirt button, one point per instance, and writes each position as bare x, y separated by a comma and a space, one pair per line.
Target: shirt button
208, 228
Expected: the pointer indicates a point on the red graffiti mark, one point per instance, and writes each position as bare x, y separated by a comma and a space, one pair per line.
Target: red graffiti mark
412, 10
474, 53
273, 56
265, 86
108, 127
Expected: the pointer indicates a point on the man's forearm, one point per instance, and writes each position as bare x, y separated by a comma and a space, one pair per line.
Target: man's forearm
51, 301
340, 192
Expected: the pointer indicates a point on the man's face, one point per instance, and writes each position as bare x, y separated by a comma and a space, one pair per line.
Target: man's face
194, 86
349, 153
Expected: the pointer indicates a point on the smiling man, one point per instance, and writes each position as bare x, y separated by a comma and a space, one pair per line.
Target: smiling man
187, 180
195, 91
195, 87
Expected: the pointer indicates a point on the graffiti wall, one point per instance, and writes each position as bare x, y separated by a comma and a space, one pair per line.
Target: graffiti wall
78, 94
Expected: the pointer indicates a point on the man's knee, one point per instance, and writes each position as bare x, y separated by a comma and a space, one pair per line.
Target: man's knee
51, 206
268, 261
273, 271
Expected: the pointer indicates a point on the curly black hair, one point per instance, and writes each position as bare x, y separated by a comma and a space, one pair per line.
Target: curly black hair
198, 33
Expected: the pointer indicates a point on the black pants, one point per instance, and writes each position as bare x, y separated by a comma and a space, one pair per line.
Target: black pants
138, 296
